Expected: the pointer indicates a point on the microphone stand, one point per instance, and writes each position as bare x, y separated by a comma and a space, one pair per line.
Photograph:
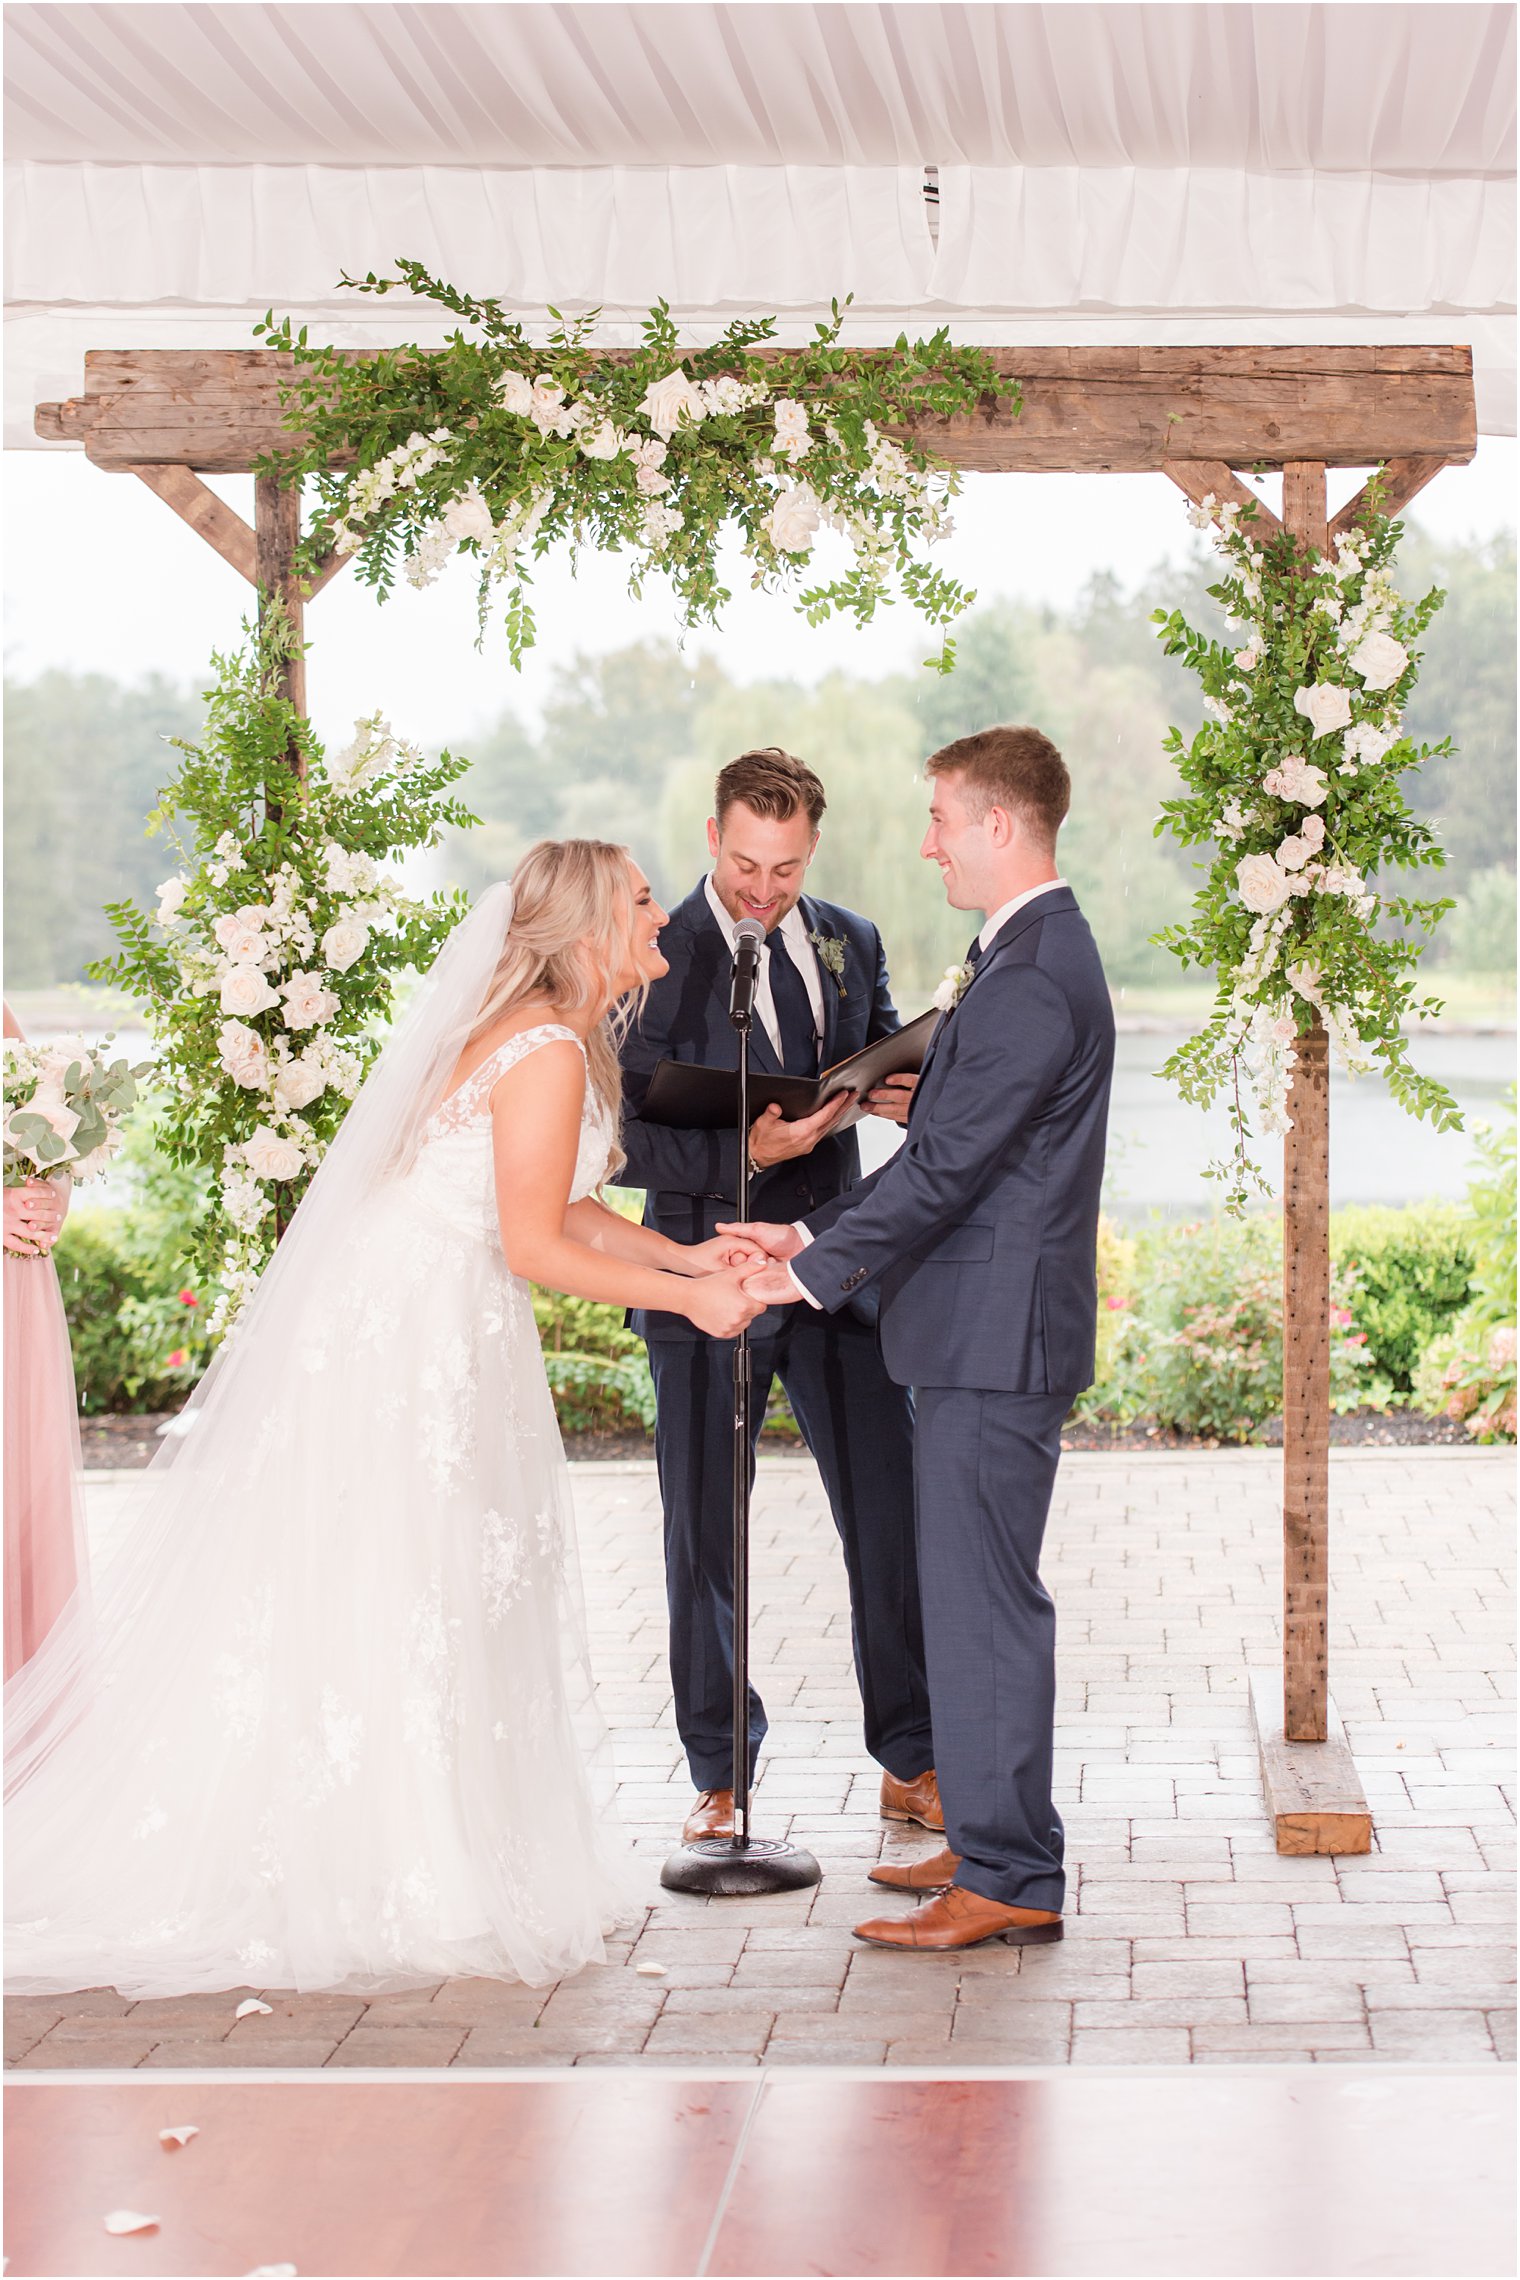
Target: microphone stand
735, 1867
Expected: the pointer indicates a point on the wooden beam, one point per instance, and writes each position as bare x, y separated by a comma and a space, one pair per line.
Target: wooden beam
1314, 1793
277, 520
1201, 477
1125, 410
1401, 479
208, 516
1306, 1394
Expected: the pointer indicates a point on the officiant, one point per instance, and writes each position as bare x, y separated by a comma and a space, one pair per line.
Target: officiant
823, 994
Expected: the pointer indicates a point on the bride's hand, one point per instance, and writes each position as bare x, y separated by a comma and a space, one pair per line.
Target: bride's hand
719, 1304
718, 1252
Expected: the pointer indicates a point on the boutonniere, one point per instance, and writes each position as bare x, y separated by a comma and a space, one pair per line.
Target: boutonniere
953, 988
831, 949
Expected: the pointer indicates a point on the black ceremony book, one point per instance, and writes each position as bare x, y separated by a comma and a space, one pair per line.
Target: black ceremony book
690, 1093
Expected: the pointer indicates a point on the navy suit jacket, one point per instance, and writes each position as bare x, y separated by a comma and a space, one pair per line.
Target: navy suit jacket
691, 1178
982, 1229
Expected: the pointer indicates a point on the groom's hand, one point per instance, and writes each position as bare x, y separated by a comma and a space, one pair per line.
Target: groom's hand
892, 1098
767, 1235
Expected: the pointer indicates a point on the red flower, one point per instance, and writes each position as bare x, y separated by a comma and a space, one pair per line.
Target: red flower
188, 1298
177, 1359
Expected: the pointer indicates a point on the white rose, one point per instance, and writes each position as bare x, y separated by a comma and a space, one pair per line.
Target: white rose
242, 942
516, 392
1246, 660
604, 442
792, 521
244, 990
171, 896
1325, 706
1297, 780
270, 1157
547, 409
1296, 850
298, 1083
1263, 885
1368, 744
468, 516
307, 1002
1380, 660
791, 428
668, 402
241, 1053
344, 944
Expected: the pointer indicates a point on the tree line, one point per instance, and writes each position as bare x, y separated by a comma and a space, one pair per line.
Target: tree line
630, 742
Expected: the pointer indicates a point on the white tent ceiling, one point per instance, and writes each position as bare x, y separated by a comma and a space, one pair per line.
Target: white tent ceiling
1105, 173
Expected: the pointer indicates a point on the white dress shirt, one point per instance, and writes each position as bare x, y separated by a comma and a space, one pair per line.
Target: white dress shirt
794, 945
989, 934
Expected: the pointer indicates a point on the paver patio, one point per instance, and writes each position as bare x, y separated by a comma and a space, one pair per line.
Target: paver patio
1188, 1938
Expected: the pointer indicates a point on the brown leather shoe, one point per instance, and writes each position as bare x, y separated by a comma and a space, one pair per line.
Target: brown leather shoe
913, 1801
711, 1816
961, 1919
931, 1875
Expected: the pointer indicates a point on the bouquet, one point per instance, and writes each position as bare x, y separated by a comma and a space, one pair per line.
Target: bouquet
64, 1105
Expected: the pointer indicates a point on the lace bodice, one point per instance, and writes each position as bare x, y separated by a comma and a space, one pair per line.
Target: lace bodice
454, 1169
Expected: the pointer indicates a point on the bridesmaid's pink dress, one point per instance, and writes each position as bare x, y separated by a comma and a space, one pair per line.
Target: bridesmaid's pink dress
44, 1502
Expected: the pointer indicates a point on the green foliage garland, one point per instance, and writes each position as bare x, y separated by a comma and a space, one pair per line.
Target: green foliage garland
1293, 783
273, 954
498, 447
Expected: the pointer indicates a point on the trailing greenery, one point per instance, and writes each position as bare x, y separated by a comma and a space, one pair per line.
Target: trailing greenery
1289, 918
501, 447
273, 953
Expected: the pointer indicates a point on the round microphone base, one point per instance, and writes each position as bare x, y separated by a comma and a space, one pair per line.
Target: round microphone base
722, 1870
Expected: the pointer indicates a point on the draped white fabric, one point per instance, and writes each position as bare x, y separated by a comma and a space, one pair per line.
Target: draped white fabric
1105, 172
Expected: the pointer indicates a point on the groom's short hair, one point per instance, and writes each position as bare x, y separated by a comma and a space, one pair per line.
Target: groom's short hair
772, 783
1014, 768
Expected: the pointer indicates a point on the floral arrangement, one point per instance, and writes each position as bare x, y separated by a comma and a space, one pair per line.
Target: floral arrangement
832, 951
953, 985
64, 1105
1293, 781
497, 447
271, 957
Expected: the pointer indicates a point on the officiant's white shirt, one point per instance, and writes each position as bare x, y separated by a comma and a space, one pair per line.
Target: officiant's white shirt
796, 946
986, 938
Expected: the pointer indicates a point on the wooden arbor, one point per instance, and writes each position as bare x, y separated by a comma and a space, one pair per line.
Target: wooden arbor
1193, 414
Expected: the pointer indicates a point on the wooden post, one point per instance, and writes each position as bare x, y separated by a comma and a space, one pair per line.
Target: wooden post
277, 532
1313, 1793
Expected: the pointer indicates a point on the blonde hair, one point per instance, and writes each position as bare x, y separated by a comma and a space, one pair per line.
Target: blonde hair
573, 917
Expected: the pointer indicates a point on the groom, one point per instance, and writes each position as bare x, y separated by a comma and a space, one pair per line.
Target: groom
980, 1235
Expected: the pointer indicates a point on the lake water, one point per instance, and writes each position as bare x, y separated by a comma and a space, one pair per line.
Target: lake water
1158, 1146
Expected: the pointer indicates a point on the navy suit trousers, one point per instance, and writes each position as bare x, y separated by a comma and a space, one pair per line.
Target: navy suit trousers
985, 1464
859, 1427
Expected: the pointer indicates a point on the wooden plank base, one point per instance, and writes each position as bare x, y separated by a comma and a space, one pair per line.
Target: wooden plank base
1314, 1793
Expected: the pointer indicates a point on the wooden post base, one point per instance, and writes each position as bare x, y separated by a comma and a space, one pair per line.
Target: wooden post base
1313, 1792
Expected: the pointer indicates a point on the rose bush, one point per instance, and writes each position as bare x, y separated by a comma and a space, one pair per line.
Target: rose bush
1293, 918
270, 962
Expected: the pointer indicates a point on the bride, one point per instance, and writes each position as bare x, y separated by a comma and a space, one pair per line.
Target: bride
331, 1724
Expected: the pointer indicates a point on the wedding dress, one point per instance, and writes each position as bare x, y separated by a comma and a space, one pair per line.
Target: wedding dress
333, 1725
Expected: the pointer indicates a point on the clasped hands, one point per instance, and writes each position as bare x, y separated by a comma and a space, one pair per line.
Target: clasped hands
33, 1216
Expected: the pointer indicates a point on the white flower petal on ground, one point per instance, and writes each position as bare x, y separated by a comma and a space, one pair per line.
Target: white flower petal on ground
1326, 706
130, 2221
180, 2133
250, 2006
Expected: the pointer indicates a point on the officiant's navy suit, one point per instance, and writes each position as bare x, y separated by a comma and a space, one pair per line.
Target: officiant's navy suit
981, 1235
857, 1422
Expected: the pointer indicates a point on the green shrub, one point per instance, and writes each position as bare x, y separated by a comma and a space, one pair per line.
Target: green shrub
596, 1366
137, 1327
1201, 1346
1408, 1272
1469, 1374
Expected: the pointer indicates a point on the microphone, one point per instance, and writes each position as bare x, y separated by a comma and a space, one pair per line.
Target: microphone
749, 934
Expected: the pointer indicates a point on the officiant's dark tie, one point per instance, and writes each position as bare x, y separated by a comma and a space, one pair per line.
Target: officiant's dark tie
795, 1024
976, 953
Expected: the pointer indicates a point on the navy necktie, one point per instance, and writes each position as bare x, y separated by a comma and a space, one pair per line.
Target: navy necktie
976, 953
795, 1024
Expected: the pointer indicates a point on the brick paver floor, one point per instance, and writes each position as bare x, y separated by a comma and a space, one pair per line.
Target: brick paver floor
1188, 1939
